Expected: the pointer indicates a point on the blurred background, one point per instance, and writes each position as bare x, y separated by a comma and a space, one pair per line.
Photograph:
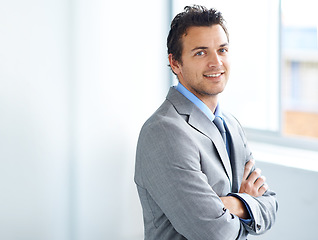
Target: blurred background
78, 78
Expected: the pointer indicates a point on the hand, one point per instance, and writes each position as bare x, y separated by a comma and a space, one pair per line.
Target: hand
235, 206
253, 184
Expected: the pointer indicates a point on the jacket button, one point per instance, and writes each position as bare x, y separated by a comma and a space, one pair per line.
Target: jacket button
258, 227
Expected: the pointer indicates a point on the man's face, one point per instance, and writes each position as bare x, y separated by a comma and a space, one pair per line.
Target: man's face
205, 66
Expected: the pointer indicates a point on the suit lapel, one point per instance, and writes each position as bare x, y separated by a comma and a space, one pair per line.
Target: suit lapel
198, 120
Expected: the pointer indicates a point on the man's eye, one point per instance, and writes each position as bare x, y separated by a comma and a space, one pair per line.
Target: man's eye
201, 53
223, 50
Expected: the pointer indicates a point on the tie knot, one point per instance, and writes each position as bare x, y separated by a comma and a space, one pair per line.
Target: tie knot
219, 124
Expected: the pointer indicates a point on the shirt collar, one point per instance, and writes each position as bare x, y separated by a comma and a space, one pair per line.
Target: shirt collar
201, 105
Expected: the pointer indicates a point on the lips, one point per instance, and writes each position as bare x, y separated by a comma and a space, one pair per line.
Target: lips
213, 75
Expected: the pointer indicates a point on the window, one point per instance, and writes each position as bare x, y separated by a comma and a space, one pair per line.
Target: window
273, 88
299, 68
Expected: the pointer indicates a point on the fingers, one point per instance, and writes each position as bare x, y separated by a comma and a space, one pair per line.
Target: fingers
253, 183
254, 175
262, 189
248, 167
260, 182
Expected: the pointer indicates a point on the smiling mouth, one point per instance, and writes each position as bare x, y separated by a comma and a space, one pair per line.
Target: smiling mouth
214, 75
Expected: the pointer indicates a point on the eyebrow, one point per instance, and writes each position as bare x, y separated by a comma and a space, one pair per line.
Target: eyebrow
203, 48
198, 48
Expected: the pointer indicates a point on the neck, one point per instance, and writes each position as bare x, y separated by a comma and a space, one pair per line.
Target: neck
211, 102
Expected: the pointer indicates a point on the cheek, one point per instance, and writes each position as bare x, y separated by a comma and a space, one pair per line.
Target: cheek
227, 63
184, 71
193, 69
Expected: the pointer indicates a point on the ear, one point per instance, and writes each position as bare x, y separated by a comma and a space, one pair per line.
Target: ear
174, 64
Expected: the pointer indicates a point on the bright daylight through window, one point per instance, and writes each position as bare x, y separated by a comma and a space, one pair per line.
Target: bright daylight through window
299, 68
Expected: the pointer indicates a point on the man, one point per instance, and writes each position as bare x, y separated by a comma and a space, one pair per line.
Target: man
196, 177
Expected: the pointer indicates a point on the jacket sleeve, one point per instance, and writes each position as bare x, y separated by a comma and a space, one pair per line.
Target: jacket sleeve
263, 208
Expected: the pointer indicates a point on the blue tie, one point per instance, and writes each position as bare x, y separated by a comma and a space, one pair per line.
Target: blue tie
220, 125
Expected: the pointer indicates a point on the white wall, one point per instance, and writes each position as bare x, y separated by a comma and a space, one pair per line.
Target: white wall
77, 80
34, 120
122, 74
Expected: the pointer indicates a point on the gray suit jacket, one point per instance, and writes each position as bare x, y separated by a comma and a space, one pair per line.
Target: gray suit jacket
182, 168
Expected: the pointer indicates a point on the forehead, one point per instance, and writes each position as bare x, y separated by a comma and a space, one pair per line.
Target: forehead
210, 36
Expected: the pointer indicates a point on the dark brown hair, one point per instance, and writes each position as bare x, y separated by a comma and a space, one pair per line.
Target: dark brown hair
192, 16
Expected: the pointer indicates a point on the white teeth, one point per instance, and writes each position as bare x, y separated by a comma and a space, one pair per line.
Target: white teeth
214, 75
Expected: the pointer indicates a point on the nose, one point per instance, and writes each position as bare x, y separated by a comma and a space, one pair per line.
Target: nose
215, 60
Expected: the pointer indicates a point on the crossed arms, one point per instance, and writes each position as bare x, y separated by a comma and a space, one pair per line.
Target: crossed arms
253, 184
